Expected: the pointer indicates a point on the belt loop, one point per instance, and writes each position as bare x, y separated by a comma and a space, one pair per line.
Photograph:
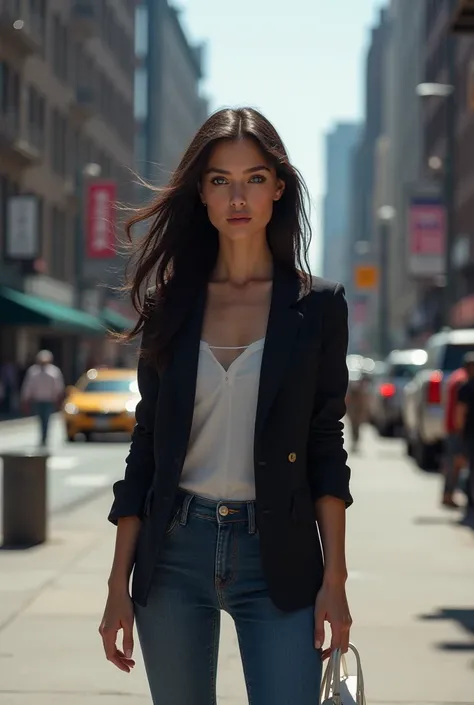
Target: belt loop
251, 517
185, 509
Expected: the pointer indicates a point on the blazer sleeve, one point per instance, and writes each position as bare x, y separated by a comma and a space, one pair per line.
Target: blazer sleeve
130, 493
328, 471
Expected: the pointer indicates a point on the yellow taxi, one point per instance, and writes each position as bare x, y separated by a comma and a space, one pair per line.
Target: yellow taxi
102, 401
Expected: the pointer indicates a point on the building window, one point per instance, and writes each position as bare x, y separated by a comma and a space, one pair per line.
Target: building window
141, 94
58, 143
8, 188
58, 250
36, 118
141, 31
60, 49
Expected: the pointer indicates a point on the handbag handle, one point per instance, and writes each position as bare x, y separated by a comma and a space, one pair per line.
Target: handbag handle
332, 677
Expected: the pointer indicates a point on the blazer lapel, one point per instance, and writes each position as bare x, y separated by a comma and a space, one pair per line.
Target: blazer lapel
184, 365
283, 324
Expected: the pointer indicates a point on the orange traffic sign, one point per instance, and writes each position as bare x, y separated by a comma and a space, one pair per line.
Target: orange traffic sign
366, 276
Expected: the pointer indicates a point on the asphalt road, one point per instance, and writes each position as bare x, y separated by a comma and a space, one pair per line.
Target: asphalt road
76, 471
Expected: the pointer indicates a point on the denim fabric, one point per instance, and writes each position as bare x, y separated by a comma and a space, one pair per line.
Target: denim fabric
211, 562
44, 409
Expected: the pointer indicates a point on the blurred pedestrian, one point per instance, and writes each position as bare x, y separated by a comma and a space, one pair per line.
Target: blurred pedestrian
465, 422
9, 381
357, 403
455, 459
43, 391
238, 448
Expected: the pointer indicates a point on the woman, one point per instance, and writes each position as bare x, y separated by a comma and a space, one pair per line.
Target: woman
238, 446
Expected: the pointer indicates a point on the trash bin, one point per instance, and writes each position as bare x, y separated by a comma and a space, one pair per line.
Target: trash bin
25, 511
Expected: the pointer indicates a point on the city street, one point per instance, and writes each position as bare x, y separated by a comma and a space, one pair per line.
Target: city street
76, 470
410, 589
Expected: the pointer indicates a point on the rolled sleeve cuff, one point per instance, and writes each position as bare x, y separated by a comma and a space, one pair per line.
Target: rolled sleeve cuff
128, 501
332, 484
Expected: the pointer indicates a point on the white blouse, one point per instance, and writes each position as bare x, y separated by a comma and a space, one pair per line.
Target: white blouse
219, 462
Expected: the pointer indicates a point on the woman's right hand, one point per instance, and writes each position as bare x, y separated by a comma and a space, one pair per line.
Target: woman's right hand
118, 615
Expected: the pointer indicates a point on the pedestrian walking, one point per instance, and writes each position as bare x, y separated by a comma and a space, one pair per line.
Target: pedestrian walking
454, 460
357, 409
43, 390
237, 456
465, 423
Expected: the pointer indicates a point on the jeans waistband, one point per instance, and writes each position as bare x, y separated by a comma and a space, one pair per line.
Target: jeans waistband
221, 511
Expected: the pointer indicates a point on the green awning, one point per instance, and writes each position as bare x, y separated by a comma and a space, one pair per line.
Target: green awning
17, 308
115, 321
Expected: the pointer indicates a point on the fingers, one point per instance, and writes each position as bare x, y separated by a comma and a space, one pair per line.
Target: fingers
340, 633
112, 654
127, 639
319, 634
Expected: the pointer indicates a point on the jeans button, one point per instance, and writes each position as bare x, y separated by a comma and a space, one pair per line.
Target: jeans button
223, 510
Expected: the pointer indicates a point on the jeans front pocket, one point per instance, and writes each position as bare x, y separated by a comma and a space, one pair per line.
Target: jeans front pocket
173, 522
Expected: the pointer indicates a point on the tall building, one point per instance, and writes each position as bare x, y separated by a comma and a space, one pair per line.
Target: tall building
66, 120
363, 250
340, 143
405, 167
169, 106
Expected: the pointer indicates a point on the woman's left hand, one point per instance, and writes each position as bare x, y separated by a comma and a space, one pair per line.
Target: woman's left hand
331, 606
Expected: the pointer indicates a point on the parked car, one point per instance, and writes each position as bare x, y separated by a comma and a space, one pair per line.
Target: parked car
102, 401
387, 398
423, 402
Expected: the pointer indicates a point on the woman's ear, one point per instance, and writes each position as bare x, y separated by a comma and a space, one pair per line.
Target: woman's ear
280, 190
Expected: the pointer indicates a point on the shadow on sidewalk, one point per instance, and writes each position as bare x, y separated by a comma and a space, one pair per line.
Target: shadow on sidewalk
463, 617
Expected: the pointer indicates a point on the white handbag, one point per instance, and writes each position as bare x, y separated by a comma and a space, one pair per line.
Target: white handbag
337, 686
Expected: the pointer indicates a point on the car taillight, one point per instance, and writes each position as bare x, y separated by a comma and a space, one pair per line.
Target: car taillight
387, 390
434, 388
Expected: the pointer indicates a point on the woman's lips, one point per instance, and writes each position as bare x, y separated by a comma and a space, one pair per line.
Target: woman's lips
239, 220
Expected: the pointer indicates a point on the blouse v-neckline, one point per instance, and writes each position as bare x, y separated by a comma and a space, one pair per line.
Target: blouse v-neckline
246, 350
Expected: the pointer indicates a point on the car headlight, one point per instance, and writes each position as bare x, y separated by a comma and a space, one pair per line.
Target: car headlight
71, 409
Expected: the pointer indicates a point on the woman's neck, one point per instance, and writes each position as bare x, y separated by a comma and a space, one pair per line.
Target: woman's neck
238, 264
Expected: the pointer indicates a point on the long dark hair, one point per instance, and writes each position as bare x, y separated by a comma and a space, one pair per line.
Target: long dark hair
178, 254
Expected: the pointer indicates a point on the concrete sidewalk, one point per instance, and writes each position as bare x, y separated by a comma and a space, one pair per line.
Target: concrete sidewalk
411, 591
51, 602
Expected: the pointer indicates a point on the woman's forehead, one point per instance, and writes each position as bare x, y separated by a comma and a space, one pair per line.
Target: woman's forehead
239, 152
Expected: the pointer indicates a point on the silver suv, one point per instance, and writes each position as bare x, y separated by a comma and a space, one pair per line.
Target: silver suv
424, 396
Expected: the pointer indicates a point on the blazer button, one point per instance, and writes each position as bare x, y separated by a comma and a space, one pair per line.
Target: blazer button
292, 457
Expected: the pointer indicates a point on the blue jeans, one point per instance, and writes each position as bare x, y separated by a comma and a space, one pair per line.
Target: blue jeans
210, 562
44, 409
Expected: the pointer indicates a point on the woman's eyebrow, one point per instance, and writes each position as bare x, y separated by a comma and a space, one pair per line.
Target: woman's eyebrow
216, 170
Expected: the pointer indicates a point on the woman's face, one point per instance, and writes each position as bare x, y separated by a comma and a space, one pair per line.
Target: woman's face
239, 188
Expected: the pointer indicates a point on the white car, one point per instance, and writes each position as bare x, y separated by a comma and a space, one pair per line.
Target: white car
424, 397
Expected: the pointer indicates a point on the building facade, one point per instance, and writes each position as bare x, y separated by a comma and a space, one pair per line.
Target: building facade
169, 106
406, 168
340, 144
66, 118
363, 248
449, 59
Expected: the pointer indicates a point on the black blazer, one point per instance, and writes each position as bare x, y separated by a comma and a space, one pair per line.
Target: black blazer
298, 448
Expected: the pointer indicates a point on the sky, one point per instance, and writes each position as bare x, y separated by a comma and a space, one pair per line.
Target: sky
300, 62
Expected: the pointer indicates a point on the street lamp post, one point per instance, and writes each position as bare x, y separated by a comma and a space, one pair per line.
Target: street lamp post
89, 171
385, 215
446, 92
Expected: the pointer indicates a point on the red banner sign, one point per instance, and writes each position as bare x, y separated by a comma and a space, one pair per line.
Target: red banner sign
100, 242
427, 231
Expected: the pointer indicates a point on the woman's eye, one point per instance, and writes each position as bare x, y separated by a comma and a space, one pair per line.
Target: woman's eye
218, 181
257, 179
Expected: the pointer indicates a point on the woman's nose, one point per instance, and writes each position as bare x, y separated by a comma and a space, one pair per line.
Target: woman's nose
238, 199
